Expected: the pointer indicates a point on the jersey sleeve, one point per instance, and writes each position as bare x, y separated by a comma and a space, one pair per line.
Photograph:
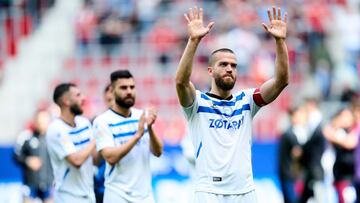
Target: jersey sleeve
191, 110
103, 135
60, 143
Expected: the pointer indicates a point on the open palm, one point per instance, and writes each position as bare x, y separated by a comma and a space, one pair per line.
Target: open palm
196, 28
277, 27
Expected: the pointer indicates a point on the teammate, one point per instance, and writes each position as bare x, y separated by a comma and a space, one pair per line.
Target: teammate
70, 144
108, 96
219, 120
99, 178
125, 137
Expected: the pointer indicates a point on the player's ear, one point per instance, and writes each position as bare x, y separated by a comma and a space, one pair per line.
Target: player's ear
65, 100
210, 70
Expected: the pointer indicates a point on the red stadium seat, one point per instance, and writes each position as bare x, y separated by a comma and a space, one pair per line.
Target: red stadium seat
124, 61
106, 61
87, 62
70, 64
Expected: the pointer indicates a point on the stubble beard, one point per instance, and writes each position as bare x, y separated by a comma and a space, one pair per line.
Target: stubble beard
121, 102
76, 109
226, 86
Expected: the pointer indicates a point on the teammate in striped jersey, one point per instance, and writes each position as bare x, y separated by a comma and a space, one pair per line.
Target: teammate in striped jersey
220, 121
70, 145
125, 138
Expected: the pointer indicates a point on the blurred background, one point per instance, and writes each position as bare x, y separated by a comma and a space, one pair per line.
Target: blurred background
46, 42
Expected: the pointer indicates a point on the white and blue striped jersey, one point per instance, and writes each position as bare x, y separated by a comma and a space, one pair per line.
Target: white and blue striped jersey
221, 132
63, 140
130, 178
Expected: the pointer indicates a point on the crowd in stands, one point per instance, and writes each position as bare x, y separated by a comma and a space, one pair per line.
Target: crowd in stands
144, 35
18, 19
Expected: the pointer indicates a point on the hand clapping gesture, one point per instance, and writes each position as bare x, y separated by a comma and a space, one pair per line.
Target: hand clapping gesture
277, 27
150, 116
196, 28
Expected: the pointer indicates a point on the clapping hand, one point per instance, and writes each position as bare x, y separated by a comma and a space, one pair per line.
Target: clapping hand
150, 116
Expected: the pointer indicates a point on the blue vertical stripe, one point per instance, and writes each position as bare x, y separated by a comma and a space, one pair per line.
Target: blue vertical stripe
198, 151
111, 170
66, 173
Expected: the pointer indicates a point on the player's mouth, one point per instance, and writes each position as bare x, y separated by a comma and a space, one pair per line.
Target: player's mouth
228, 76
129, 98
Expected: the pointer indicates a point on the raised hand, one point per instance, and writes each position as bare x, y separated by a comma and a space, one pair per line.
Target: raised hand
277, 27
196, 28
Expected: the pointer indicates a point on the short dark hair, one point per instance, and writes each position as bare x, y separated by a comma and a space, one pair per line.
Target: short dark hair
119, 74
212, 59
60, 90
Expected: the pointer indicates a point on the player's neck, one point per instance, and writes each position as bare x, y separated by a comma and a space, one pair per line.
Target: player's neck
68, 118
125, 112
220, 93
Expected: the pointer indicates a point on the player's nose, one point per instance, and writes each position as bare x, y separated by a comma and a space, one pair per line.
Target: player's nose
229, 68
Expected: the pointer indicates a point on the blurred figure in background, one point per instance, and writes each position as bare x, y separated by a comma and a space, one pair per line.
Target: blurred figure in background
356, 129
290, 152
71, 145
338, 132
108, 97
31, 152
111, 30
99, 178
85, 26
313, 150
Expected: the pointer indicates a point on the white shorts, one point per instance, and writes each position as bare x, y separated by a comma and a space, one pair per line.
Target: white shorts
65, 197
113, 197
249, 197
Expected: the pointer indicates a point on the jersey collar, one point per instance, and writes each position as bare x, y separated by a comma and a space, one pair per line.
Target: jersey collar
120, 113
218, 97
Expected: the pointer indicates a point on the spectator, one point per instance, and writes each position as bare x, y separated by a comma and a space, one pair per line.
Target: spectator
112, 29
31, 153
290, 152
337, 132
85, 26
313, 150
356, 130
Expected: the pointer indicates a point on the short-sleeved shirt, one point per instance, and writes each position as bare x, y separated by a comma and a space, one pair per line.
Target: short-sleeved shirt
131, 176
63, 140
221, 132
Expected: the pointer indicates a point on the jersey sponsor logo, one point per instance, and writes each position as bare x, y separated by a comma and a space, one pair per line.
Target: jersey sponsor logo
140, 142
225, 123
217, 179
